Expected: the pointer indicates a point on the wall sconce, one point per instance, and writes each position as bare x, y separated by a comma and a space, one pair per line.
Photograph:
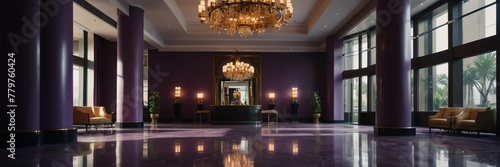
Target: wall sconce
199, 96
271, 98
177, 94
295, 95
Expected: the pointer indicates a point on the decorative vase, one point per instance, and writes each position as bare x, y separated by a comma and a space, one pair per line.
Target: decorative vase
154, 118
316, 117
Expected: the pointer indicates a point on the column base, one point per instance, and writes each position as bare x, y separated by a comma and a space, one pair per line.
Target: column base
21, 139
59, 136
394, 131
129, 124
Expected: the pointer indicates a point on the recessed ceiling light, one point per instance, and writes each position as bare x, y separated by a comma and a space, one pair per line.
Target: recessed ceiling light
421, 4
325, 26
337, 14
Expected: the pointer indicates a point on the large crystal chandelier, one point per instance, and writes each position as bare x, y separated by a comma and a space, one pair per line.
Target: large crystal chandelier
245, 16
237, 71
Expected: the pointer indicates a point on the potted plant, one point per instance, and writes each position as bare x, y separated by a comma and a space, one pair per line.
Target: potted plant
294, 108
177, 109
316, 106
154, 106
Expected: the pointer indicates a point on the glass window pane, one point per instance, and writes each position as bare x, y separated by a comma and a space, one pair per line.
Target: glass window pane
77, 41
433, 32
77, 85
478, 25
440, 35
355, 99
373, 46
412, 91
351, 100
433, 87
364, 94
364, 51
373, 96
479, 80
351, 57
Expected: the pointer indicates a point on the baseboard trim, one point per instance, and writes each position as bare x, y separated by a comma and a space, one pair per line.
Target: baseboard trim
21, 139
59, 136
129, 124
394, 131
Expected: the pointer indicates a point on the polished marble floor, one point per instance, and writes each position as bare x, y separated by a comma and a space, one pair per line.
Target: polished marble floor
283, 144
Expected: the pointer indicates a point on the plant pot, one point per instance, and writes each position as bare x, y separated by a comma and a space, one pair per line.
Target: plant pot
177, 111
154, 118
294, 110
316, 117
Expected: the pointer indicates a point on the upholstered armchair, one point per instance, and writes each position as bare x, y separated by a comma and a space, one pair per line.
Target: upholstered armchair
477, 119
90, 115
444, 118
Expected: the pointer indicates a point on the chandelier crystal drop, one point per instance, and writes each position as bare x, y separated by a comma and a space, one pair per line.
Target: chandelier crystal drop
238, 71
245, 17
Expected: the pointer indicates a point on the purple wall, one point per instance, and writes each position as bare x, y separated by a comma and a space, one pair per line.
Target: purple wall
193, 72
282, 71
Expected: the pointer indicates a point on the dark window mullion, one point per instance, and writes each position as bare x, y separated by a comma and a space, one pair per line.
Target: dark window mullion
85, 67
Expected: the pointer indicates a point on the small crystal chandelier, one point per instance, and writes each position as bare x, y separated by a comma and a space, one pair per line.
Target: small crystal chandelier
245, 16
237, 71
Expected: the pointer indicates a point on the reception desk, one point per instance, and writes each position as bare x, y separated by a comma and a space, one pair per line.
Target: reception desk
236, 114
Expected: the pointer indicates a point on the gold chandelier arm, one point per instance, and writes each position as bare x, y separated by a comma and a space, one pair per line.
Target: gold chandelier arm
245, 16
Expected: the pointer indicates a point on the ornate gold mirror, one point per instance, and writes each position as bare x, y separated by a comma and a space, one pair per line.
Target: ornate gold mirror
237, 92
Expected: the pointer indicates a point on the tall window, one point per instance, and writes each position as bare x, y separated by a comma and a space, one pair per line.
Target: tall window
351, 55
433, 87
478, 20
77, 85
433, 32
351, 99
479, 80
83, 67
373, 48
373, 94
363, 89
364, 51
145, 79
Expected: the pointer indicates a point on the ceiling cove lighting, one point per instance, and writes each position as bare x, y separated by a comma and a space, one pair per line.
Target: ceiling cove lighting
245, 17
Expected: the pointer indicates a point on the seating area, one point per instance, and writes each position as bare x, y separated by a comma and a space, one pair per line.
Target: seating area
476, 120
472, 119
91, 115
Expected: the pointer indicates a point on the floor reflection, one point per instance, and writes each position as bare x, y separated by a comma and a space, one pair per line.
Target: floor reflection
266, 145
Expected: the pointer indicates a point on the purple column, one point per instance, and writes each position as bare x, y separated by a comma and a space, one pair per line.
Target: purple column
56, 66
20, 36
129, 68
334, 80
393, 116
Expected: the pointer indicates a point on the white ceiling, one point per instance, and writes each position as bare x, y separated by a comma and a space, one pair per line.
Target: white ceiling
173, 25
